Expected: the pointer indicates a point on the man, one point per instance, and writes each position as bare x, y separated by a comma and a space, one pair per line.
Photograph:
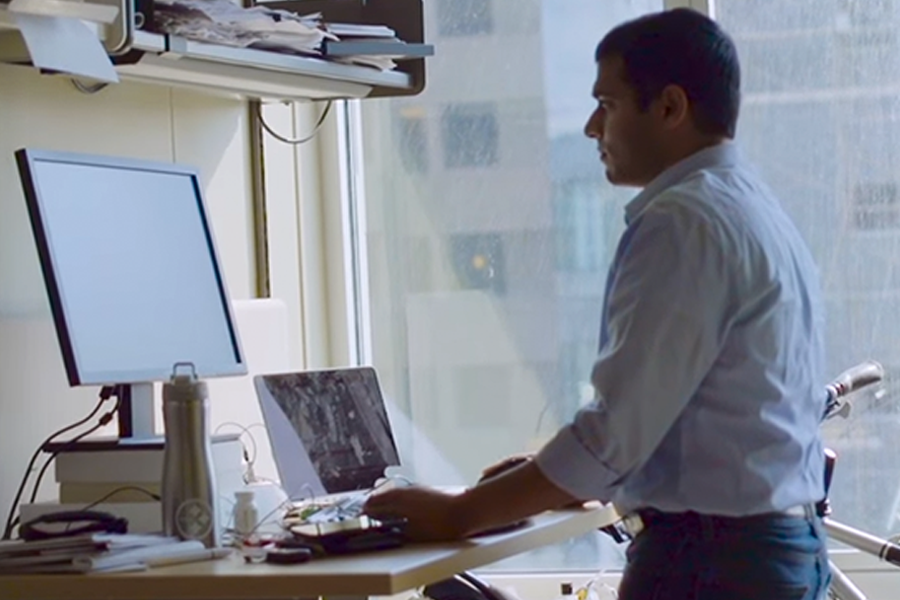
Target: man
709, 377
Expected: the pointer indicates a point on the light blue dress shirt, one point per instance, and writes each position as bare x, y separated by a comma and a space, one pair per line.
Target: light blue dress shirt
709, 382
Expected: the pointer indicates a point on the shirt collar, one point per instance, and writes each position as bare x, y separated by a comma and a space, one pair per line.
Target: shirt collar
723, 154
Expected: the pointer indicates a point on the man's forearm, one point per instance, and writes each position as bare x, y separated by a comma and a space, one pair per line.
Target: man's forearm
514, 495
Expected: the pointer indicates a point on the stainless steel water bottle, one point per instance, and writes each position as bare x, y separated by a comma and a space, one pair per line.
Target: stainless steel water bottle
188, 482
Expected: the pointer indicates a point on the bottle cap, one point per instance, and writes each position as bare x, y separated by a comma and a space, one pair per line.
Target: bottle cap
244, 495
184, 386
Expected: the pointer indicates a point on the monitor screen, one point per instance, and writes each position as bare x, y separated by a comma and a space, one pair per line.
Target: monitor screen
130, 266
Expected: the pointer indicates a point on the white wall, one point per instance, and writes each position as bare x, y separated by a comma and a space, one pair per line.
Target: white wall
132, 120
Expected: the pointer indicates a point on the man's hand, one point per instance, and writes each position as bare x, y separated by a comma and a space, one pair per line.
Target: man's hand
514, 494
429, 513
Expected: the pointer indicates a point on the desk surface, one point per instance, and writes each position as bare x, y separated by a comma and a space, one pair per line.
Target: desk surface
377, 573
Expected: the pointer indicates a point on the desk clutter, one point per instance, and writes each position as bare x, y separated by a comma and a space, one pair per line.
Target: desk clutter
90, 541
309, 529
100, 552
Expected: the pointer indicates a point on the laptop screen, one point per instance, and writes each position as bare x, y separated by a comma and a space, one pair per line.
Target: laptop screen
329, 430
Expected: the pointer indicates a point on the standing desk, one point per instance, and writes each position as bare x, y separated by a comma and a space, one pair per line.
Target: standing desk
378, 573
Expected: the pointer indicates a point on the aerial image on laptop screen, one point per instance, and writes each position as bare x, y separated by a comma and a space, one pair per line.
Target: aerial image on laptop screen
341, 421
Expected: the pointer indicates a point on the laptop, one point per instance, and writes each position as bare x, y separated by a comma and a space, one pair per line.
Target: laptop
329, 430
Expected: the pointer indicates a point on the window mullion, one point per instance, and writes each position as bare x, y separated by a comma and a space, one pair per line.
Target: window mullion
706, 7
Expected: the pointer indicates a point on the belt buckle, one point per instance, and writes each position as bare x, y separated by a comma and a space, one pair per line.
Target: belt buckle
806, 511
625, 529
633, 524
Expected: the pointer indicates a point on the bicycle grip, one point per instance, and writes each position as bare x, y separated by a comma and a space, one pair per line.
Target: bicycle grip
857, 377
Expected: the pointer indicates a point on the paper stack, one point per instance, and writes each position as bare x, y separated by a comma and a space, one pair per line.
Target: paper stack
93, 553
371, 45
223, 22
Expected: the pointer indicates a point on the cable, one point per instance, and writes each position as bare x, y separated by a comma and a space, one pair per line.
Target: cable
250, 458
106, 393
124, 488
112, 493
295, 141
104, 420
87, 89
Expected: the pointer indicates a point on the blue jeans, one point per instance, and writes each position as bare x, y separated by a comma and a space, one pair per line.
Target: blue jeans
688, 556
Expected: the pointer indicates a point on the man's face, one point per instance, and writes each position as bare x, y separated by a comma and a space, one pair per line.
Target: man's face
627, 137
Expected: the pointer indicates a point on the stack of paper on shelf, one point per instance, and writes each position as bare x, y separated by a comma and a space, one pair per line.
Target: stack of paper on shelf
371, 45
93, 553
224, 22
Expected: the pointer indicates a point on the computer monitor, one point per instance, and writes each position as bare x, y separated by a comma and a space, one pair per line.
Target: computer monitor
132, 274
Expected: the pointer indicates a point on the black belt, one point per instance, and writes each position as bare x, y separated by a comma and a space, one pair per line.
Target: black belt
637, 521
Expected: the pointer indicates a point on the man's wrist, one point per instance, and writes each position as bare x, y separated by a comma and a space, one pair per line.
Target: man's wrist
463, 515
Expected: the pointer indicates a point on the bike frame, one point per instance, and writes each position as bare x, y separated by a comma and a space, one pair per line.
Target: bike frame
842, 587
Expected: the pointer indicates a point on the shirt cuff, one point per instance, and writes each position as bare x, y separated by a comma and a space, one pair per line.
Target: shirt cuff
570, 466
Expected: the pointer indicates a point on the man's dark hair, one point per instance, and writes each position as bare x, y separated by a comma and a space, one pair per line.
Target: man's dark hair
685, 48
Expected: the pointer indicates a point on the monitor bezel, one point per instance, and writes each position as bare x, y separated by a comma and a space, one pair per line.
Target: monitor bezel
26, 159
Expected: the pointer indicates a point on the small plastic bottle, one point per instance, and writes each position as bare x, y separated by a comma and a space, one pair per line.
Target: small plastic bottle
246, 515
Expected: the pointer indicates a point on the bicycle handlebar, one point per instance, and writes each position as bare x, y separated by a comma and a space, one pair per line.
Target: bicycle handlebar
855, 378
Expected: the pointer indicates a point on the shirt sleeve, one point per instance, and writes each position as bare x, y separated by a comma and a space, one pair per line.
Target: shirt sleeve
666, 323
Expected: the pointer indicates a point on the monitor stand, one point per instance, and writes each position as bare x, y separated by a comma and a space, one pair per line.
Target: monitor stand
136, 416
136, 424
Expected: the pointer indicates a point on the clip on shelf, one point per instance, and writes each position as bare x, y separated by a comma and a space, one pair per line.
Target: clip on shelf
88, 11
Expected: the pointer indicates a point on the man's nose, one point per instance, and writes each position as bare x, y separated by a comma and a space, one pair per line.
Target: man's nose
594, 126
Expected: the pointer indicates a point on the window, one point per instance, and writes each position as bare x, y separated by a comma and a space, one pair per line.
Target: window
478, 260
876, 206
469, 133
820, 120
484, 340
412, 138
464, 17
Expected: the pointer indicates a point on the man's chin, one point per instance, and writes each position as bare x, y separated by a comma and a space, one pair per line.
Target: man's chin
618, 179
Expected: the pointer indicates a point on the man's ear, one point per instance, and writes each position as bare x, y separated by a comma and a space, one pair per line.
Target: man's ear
674, 106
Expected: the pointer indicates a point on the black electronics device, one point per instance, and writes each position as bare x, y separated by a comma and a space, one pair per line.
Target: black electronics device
351, 535
71, 523
288, 556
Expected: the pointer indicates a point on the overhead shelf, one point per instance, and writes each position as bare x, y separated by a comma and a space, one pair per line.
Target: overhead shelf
171, 60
